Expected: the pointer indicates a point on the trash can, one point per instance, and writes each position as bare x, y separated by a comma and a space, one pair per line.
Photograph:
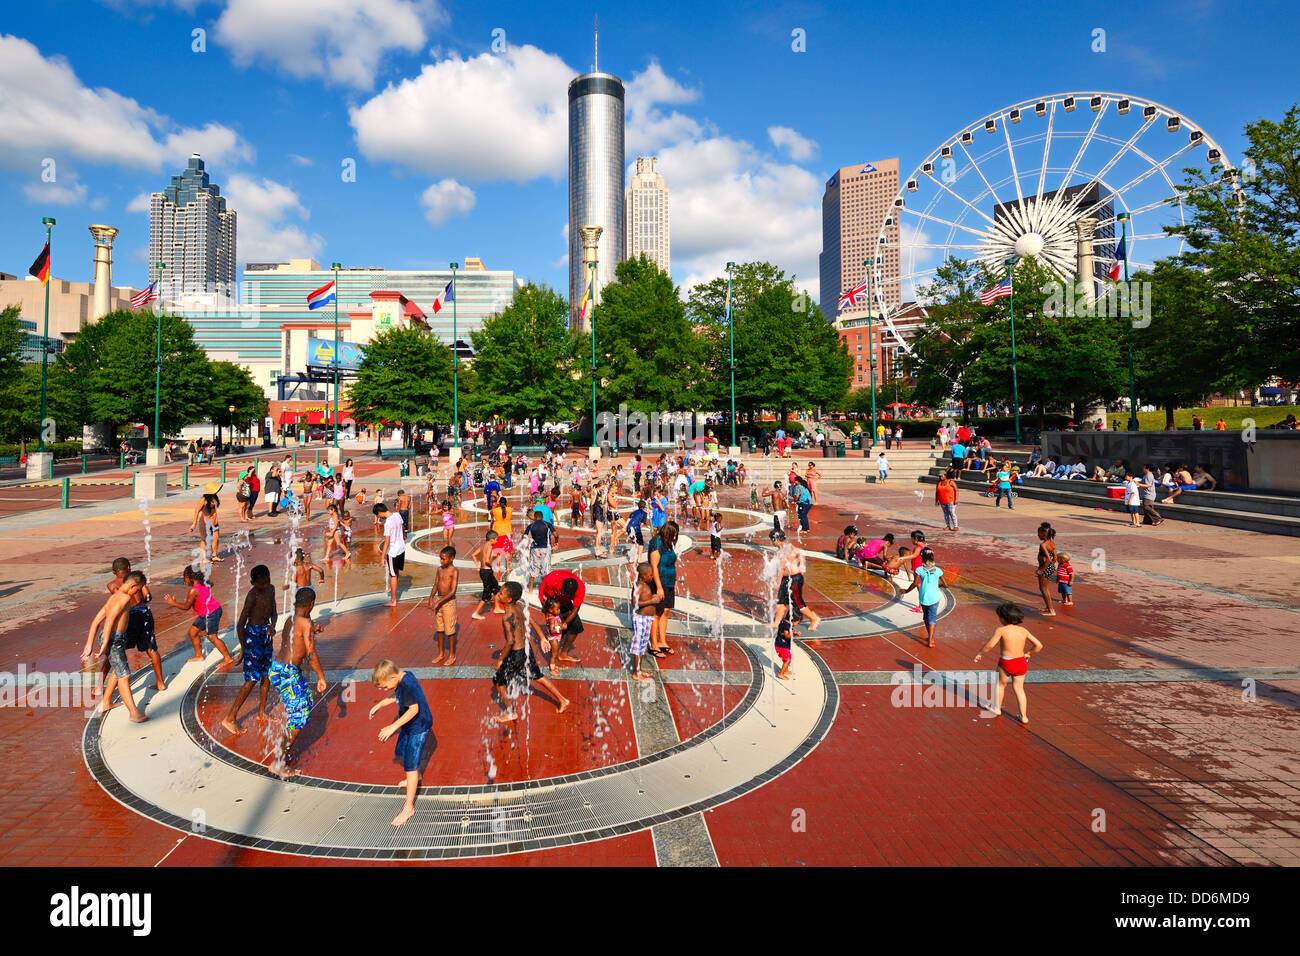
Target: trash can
605, 451
857, 440
406, 468
828, 450
478, 453
839, 449
746, 447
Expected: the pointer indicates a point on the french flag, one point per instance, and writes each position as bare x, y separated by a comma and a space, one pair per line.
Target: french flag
448, 295
322, 296
1121, 253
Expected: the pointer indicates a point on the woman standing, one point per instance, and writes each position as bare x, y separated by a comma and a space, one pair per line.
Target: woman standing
348, 474
1046, 565
273, 479
945, 496
502, 516
598, 505
812, 476
663, 564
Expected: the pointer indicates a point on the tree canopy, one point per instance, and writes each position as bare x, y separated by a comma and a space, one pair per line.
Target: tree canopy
405, 376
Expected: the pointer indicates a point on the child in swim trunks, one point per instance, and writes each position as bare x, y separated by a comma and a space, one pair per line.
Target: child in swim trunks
443, 603
1065, 579
482, 556
297, 644
413, 725
517, 665
784, 631
1013, 662
302, 569
255, 628
113, 616
647, 599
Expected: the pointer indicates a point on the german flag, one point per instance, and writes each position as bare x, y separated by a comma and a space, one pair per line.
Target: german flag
41, 267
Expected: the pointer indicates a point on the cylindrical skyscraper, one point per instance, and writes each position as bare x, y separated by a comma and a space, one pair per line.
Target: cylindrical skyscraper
595, 178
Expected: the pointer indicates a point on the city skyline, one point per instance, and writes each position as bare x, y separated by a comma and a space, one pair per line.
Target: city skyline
747, 152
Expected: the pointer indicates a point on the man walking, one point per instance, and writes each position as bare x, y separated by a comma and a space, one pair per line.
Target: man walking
1148, 486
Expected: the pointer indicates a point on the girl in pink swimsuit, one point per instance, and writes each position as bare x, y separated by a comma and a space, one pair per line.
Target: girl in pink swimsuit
207, 619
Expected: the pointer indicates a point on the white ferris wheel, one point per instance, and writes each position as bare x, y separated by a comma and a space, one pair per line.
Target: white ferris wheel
1050, 178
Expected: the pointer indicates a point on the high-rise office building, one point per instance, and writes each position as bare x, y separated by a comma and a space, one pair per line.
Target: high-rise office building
646, 209
855, 204
193, 234
596, 173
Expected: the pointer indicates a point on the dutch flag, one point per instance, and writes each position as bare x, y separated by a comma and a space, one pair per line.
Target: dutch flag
322, 296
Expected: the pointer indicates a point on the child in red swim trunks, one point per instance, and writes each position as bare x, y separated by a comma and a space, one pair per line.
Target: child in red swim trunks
1013, 662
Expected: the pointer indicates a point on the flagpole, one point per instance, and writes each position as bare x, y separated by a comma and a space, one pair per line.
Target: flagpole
871, 349
157, 361
1133, 424
455, 361
1011, 305
731, 329
336, 267
45, 338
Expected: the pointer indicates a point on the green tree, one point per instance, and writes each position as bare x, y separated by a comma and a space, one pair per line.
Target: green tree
949, 341
404, 377
118, 372
648, 355
527, 366
1250, 252
11, 342
233, 385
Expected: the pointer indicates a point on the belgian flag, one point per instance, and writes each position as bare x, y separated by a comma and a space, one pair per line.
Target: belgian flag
41, 267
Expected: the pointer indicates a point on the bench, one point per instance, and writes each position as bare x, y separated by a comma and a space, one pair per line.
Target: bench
527, 450
8, 461
397, 453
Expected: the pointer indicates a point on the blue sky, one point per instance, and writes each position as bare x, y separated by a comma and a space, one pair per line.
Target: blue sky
459, 147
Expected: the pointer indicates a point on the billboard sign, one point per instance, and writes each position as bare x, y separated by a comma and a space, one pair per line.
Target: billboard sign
320, 354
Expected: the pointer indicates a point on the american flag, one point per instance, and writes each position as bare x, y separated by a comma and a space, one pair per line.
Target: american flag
998, 291
145, 295
850, 298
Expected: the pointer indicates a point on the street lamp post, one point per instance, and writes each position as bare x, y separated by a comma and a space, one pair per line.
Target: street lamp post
1011, 306
731, 331
455, 362
231, 410
871, 348
157, 358
336, 267
592, 326
45, 337
1132, 382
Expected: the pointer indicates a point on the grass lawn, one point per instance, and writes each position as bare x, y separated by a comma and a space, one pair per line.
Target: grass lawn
1263, 416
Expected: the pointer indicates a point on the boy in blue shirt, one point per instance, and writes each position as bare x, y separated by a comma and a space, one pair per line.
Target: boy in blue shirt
413, 724
927, 580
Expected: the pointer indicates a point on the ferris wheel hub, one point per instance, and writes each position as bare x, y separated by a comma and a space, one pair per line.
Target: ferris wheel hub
1030, 244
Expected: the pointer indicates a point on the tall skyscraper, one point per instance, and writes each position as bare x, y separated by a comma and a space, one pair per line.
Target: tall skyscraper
596, 173
856, 202
193, 233
646, 209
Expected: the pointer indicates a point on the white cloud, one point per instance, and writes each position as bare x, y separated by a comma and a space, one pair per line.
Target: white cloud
139, 203
798, 148
563, 261
445, 200
342, 41
69, 192
648, 127
493, 116
214, 142
47, 112
264, 235
733, 203
301, 160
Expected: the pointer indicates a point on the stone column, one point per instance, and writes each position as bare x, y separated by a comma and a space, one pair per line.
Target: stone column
1084, 230
590, 238
104, 236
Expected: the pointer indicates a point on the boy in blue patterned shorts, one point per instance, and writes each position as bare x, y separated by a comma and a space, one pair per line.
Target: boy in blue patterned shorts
297, 643
413, 725
255, 627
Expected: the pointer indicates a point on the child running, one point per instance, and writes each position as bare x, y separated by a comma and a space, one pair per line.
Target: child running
784, 632
515, 659
255, 628
443, 603
207, 620
413, 725
1013, 660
